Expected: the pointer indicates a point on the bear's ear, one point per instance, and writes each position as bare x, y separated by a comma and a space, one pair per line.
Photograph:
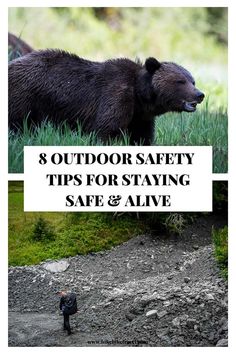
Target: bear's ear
151, 64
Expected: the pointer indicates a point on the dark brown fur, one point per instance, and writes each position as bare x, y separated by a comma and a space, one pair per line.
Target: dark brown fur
108, 97
17, 46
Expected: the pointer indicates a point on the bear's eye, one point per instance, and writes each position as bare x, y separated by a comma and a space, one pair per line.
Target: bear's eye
181, 82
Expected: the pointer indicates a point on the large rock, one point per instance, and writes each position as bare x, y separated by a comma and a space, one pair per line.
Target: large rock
57, 266
151, 313
222, 343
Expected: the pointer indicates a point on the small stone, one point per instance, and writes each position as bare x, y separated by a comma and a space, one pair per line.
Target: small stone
195, 247
187, 279
225, 326
191, 322
165, 339
130, 316
86, 288
210, 297
222, 321
176, 289
222, 343
211, 336
161, 314
186, 289
163, 333
176, 322
138, 310
151, 313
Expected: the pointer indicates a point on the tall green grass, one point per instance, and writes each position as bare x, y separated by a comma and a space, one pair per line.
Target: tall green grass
200, 128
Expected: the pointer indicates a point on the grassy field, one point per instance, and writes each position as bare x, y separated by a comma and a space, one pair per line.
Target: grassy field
73, 233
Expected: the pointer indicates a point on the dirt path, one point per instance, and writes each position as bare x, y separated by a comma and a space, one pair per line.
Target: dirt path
150, 291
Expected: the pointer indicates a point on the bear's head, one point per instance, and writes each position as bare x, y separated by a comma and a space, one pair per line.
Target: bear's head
172, 86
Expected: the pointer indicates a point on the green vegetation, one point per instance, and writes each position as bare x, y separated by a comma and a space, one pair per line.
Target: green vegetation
175, 223
178, 34
220, 197
220, 239
199, 128
173, 34
34, 237
42, 230
12, 56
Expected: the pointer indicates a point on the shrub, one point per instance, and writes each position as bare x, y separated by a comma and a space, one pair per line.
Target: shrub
42, 230
175, 223
220, 239
220, 196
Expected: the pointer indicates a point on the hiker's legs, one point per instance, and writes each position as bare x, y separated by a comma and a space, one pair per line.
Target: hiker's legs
67, 323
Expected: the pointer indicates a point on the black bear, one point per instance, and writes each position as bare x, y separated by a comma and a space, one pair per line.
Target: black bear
110, 97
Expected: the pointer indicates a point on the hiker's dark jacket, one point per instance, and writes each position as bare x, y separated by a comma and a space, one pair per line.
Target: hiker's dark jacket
68, 304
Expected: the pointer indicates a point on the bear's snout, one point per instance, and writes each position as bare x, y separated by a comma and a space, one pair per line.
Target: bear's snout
191, 104
199, 96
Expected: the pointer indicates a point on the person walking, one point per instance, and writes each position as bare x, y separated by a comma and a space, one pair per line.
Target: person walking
68, 306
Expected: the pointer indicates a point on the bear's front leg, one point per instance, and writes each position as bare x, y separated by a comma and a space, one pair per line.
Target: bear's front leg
114, 116
141, 132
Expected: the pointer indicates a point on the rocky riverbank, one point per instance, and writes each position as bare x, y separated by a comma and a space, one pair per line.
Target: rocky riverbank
153, 290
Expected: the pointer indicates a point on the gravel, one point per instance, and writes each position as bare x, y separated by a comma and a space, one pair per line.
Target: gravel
154, 290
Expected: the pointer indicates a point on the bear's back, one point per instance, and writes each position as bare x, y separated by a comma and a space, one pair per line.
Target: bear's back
60, 85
